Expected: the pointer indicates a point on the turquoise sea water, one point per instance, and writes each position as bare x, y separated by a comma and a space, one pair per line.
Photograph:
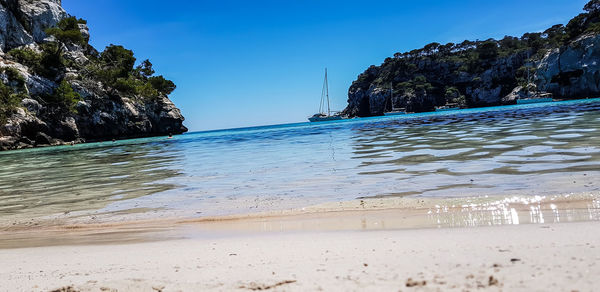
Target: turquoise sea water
525, 150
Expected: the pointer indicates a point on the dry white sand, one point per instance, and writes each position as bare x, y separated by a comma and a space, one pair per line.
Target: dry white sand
546, 257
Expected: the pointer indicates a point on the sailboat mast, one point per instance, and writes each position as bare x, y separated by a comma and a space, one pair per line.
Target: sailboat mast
528, 73
322, 104
327, 92
392, 95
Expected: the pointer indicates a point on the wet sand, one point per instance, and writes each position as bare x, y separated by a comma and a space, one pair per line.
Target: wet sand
547, 257
519, 244
358, 215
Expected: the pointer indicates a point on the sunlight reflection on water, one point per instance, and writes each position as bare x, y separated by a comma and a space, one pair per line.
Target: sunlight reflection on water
519, 210
523, 151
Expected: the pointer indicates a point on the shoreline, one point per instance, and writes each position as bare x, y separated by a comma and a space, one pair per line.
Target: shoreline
357, 215
369, 245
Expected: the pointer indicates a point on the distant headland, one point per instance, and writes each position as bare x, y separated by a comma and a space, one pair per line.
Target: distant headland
563, 61
56, 88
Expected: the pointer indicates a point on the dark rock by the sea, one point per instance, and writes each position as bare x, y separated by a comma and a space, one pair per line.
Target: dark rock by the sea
572, 71
562, 62
102, 114
368, 98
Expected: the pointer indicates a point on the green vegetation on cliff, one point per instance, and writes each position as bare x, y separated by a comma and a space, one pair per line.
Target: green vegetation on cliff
9, 100
56, 88
68, 32
471, 73
114, 67
64, 97
11, 93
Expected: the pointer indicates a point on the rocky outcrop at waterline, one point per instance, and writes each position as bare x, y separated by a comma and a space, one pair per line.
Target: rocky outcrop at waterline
421, 84
56, 88
563, 61
572, 71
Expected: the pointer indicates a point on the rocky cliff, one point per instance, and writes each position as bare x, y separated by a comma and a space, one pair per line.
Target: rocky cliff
56, 88
572, 71
563, 61
421, 84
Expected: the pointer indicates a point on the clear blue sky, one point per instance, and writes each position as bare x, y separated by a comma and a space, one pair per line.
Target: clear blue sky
247, 63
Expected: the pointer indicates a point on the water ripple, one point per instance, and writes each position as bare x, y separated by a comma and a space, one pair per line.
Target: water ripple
519, 150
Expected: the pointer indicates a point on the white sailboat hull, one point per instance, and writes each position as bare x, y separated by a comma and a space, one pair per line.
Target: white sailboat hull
324, 119
394, 113
534, 100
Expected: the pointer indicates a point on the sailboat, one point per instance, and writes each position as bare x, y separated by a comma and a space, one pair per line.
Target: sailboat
394, 111
323, 115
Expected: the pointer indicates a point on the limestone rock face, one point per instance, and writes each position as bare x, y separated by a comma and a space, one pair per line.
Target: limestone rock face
485, 94
102, 114
32, 105
368, 96
22, 126
359, 95
516, 94
24, 21
572, 71
38, 15
520, 92
13, 34
377, 99
420, 101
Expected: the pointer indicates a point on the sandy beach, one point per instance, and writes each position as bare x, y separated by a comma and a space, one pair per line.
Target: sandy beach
363, 245
151, 146
547, 257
